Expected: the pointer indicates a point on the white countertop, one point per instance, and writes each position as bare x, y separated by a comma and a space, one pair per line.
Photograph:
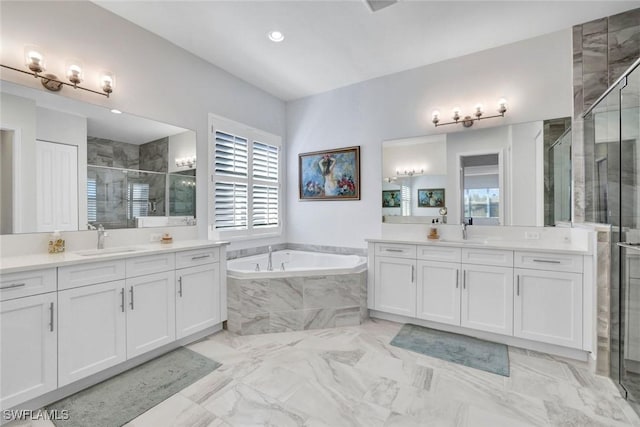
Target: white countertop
528, 245
37, 261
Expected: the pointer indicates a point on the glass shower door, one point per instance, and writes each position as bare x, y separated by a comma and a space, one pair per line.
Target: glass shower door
630, 233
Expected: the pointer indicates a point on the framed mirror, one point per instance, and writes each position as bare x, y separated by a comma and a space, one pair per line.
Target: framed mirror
517, 174
67, 165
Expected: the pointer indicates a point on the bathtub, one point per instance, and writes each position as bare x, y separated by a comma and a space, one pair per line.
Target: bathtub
291, 263
305, 290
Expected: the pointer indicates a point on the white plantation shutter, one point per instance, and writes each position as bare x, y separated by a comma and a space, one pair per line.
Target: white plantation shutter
138, 200
231, 205
265, 161
232, 155
92, 200
246, 173
265, 206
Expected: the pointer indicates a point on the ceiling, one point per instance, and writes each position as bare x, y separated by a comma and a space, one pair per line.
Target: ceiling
329, 44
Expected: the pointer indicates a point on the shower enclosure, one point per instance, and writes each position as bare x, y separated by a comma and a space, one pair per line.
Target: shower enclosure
612, 132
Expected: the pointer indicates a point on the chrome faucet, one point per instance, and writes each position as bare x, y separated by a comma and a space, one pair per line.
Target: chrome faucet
270, 262
101, 235
464, 230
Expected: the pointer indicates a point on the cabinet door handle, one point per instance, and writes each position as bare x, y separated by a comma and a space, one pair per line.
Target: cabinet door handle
122, 299
200, 257
518, 285
464, 279
413, 273
180, 286
131, 293
548, 261
393, 250
13, 285
51, 317
457, 278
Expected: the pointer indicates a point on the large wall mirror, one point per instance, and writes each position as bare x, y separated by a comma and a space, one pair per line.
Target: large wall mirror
518, 174
68, 165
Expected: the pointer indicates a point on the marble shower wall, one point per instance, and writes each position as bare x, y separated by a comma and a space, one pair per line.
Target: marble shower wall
114, 154
602, 50
552, 130
154, 155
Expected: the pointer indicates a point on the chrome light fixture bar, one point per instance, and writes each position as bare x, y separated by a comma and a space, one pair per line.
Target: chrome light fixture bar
467, 121
34, 61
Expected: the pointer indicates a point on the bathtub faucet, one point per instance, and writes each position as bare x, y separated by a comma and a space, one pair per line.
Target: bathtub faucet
270, 262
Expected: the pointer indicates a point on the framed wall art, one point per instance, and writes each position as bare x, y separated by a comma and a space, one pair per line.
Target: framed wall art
431, 198
330, 174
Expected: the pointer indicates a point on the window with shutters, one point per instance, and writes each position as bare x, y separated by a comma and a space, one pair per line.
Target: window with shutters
245, 180
92, 200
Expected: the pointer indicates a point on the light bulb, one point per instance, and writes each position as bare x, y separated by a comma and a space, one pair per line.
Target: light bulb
478, 112
456, 113
107, 82
502, 106
275, 36
34, 59
74, 72
435, 116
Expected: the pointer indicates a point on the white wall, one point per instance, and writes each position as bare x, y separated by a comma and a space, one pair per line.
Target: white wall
534, 75
154, 78
527, 186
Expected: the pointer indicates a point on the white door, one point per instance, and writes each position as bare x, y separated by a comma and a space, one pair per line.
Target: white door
438, 292
151, 315
548, 307
92, 333
56, 186
197, 299
395, 285
28, 352
487, 298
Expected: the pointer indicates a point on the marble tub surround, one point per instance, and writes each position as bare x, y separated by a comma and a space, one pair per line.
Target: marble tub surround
282, 304
564, 239
352, 376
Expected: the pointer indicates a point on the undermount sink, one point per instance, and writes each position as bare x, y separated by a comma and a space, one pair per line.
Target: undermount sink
110, 251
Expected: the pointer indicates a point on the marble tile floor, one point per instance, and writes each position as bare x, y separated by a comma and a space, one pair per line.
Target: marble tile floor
351, 376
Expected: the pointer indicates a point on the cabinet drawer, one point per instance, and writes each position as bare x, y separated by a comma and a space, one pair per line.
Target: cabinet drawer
396, 250
546, 261
487, 257
439, 253
197, 257
16, 285
87, 274
139, 266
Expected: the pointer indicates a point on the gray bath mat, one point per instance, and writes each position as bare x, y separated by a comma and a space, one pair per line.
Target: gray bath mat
468, 351
120, 399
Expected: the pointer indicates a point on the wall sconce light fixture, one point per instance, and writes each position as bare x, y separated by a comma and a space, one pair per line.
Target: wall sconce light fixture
34, 61
467, 121
186, 161
409, 172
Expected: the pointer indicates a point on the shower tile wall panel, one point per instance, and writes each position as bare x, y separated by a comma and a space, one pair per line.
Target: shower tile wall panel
154, 155
602, 50
115, 154
296, 303
552, 130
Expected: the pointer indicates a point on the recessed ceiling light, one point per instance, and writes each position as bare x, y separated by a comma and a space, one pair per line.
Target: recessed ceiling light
275, 36
114, 111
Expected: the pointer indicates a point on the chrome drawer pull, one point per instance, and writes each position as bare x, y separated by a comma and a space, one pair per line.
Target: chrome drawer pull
122, 299
548, 261
51, 317
131, 292
200, 257
180, 289
518, 285
14, 285
457, 278
413, 270
394, 250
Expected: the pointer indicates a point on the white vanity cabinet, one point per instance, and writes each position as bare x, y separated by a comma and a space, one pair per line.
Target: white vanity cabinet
92, 333
197, 298
151, 315
487, 290
548, 298
438, 287
515, 296
28, 351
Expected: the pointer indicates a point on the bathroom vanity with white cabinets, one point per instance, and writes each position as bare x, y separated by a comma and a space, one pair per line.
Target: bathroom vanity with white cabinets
68, 321
539, 298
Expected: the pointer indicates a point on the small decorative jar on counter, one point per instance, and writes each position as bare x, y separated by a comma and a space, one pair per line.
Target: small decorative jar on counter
56, 243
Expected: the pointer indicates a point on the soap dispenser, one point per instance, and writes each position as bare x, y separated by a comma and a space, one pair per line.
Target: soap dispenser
433, 231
